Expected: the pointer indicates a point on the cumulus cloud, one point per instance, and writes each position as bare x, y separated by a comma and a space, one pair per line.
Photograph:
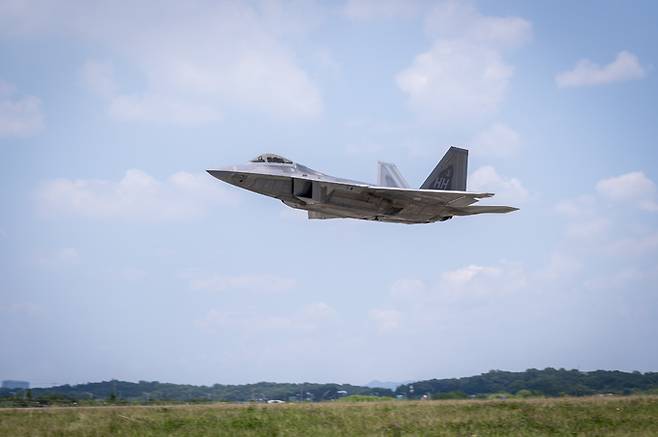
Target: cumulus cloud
626, 66
578, 207
385, 320
318, 311
22, 309
64, 257
309, 317
560, 265
422, 302
408, 288
617, 279
217, 320
483, 280
99, 77
632, 188
634, 245
464, 72
20, 116
497, 140
596, 220
251, 283
455, 19
455, 79
465, 275
194, 60
137, 196
593, 228
464, 284
591, 217
506, 189
380, 9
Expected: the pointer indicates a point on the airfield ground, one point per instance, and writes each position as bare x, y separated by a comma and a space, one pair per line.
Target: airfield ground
619, 416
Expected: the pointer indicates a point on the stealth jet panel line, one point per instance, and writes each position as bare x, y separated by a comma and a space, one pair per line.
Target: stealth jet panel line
442, 196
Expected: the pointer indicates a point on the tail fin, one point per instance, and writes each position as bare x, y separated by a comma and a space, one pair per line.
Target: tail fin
450, 173
389, 176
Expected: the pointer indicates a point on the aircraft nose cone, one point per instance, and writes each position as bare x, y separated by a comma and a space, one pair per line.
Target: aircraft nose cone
222, 175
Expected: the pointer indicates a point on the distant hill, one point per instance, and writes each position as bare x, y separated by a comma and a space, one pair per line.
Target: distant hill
547, 382
154, 390
386, 384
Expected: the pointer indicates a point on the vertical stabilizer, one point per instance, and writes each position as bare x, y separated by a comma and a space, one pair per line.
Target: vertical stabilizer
388, 175
450, 172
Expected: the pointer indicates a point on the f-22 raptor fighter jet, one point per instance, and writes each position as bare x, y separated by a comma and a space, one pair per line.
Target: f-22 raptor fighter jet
442, 196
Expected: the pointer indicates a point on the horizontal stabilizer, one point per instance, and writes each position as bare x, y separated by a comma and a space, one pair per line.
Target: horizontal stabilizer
482, 209
314, 215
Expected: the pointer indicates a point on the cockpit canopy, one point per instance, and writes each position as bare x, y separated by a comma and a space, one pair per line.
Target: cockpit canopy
272, 158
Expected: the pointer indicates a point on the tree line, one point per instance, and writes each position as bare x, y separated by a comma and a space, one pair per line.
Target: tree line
147, 391
532, 382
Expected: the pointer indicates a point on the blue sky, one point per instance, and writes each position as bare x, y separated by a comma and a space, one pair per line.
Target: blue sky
121, 258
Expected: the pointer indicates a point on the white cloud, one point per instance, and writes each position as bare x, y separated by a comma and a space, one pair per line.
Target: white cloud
160, 108
465, 275
455, 19
309, 317
385, 320
408, 288
634, 245
600, 232
318, 311
633, 188
475, 280
137, 196
217, 320
380, 9
98, 76
59, 258
619, 279
195, 61
251, 283
497, 140
579, 207
626, 66
588, 229
454, 79
560, 265
132, 274
464, 73
23, 308
424, 303
506, 189
19, 116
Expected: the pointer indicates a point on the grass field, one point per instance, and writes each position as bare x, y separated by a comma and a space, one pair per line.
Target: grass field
633, 415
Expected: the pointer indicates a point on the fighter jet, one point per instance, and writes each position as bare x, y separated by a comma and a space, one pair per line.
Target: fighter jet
441, 197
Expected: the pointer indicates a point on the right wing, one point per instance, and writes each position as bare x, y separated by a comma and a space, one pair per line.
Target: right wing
406, 195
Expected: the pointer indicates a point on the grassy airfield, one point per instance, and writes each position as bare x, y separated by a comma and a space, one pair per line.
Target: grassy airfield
619, 416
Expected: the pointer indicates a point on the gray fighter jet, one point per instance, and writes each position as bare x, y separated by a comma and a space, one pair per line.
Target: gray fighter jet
442, 196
